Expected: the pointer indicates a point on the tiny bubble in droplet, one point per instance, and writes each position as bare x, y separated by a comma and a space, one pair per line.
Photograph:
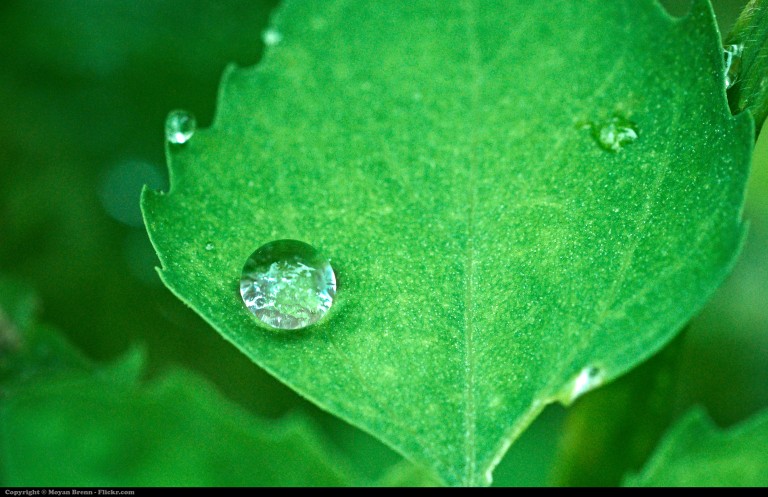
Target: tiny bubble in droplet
287, 284
272, 37
180, 125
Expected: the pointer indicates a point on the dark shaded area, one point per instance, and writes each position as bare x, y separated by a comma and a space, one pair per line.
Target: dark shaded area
87, 86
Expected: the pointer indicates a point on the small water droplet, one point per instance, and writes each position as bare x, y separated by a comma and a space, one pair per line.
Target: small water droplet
732, 58
209, 246
287, 284
588, 379
614, 134
271, 37
180, 125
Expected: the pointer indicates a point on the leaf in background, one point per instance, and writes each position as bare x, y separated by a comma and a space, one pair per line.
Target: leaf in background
29, 348
695, 452
613, 430
499, 242
529, 461
406, 474
99, 430
749, 38
52, 392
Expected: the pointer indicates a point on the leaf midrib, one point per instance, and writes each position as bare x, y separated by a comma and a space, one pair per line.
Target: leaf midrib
470, 410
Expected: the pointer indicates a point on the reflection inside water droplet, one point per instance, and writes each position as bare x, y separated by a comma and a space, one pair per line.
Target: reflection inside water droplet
288, 284
209, 246
180, 125
732, 59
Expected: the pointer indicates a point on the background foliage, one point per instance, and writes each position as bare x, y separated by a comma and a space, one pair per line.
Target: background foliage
86, 87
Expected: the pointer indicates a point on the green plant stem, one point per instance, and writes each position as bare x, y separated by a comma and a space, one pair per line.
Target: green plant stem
750, 91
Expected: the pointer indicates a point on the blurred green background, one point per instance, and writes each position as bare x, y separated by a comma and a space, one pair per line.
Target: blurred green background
85, 86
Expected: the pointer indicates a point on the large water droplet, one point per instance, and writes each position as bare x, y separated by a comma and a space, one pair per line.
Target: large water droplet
287, 284
732, 57
180, 125
614, 134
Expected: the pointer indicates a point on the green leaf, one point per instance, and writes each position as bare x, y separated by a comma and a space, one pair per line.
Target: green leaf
492, 256
695, 452
750, 70
103, 431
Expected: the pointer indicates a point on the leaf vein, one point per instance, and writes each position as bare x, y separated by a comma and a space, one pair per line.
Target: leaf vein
470, 412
